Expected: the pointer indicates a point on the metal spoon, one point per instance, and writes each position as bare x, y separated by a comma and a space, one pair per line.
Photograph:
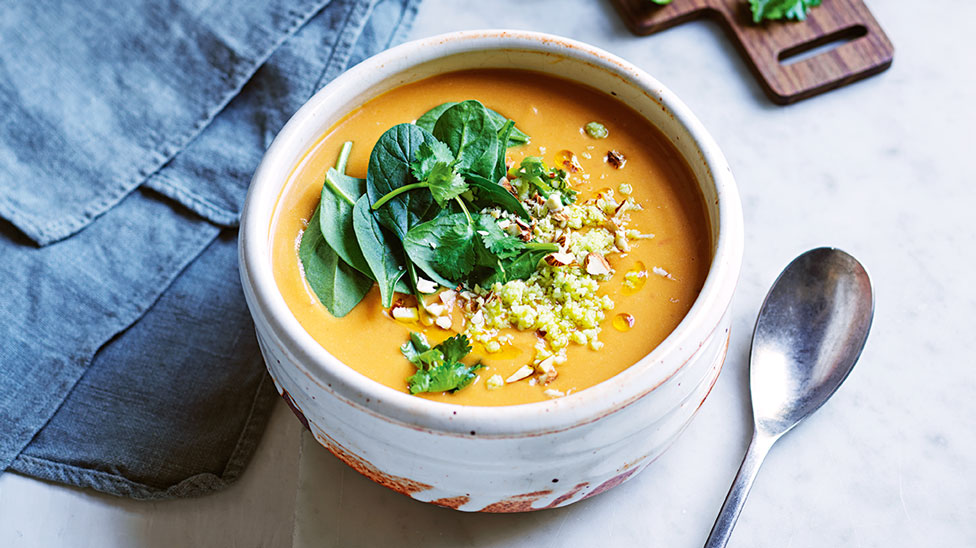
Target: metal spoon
810, 332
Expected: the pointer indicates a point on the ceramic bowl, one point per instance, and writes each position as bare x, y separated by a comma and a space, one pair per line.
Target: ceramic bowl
527, 457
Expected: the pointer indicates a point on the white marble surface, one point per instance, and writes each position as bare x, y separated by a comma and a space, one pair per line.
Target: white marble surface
879, 168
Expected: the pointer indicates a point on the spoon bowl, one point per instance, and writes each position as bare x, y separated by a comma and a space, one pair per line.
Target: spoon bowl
810, 332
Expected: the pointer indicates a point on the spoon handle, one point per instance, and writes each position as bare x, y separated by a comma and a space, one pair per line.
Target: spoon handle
736, 498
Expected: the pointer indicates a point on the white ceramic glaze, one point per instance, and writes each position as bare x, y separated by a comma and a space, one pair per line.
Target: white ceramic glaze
530, 456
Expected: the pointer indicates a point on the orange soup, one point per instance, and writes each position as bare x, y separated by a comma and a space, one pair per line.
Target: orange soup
657, 255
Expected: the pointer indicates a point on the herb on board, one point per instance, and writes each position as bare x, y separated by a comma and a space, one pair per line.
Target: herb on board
795, 10
772, 10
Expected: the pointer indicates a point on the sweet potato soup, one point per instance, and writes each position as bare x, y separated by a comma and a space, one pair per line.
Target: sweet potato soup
619, 231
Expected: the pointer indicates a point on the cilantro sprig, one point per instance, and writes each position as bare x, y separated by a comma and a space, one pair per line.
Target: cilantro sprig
773, 10
795, 10
544, 180
439, 369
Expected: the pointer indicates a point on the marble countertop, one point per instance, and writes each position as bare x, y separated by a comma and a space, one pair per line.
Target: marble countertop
877, 168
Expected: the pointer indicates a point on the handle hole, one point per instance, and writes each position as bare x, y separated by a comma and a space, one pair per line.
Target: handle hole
821, 45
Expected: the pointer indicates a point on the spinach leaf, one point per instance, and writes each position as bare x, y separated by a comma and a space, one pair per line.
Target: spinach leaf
381, 251
500, 168
517, 137
389, 169
489, 194
429, 119
470, 134
337, 285
339, 195
443, 248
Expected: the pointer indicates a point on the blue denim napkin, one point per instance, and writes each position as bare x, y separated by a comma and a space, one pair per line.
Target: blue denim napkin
128, 134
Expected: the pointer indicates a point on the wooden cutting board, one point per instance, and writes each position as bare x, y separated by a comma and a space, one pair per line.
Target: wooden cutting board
774, 49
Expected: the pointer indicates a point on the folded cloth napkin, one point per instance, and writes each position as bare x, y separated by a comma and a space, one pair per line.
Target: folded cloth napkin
128, 134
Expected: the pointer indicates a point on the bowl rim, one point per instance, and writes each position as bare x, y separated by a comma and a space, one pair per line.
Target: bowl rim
320, 367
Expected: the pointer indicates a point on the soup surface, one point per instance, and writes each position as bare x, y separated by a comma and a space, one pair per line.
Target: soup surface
668, 268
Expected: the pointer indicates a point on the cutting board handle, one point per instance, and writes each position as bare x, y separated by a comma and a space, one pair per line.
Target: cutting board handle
785, 56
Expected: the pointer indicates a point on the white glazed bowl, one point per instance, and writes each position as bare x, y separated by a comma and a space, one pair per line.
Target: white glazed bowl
497, 459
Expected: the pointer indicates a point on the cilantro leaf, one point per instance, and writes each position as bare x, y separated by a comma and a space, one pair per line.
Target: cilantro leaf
443, 247
520, 266
445, 184
795, 10
496, 240
443, 371
413, 348
449, 377
534, 171
428, 155
455, 348
418, 351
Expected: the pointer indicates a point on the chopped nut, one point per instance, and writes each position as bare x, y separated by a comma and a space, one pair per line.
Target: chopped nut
508, 186
622, 207
478, 318
560, 259
548, 370
522, 373
426, 286
661, 272
444, 322
620, 240
448, 297
569, 161
616, 159
435, 308
596, 264
553, 393
554, 202
405, 313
